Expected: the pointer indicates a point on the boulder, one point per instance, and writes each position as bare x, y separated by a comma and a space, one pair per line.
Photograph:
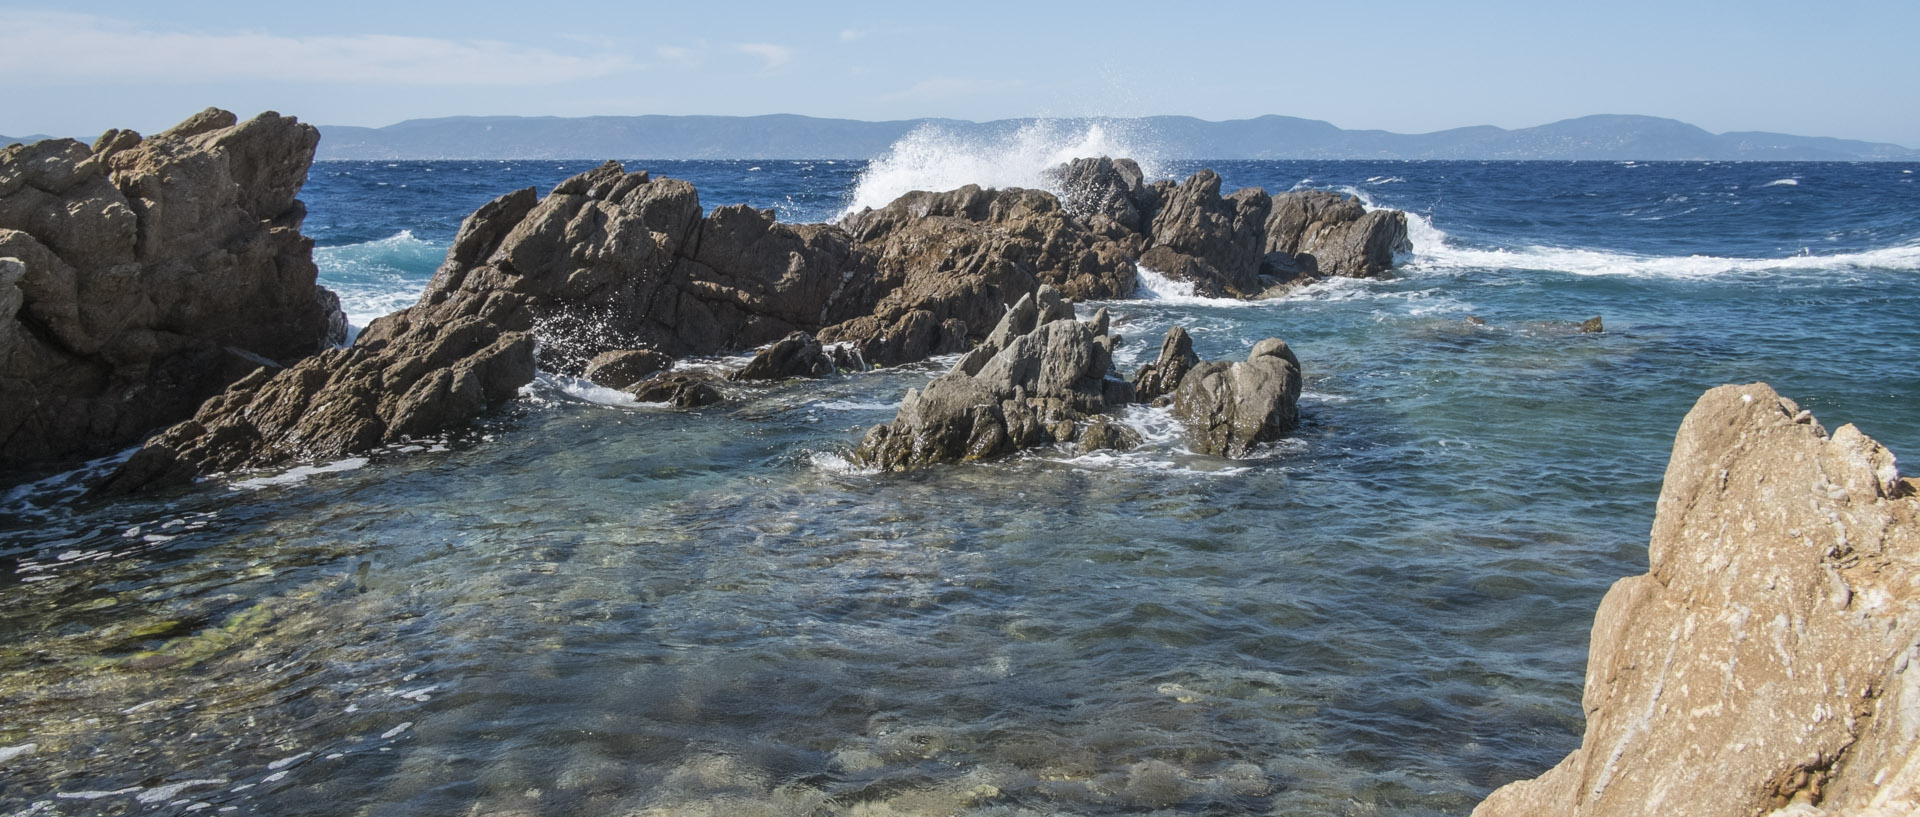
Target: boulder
1161, 377
1769, 659
422, 378
151, 273
1034, 381
1315, 234
1229, 407
679, 389
621, 368
1214, 242
796, 355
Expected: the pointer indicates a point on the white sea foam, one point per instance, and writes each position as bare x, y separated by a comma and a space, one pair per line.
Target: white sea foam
301, 473
936, 159
377, 278
587, 390
1433, 250
1155, 286
1782, 183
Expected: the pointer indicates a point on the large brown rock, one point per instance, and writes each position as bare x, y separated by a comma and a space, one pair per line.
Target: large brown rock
153, 272
1766, 663
1036, 380
421, 379
1314, 234
1230, 407
1212, 241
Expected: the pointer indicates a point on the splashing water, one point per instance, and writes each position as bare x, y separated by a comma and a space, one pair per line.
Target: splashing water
935, 158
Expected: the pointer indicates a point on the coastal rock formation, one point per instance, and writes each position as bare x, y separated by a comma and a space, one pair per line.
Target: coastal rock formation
149, 274
1229, 407
621, 368
1313, 234
418, 379
1240, 245
1035, 380
611, 262
1043, 377
1769, 660
796, 355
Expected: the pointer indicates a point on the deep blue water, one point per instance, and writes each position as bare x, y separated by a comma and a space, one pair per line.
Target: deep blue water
587, 608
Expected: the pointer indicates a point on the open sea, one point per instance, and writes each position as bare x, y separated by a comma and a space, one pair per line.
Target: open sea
588, 607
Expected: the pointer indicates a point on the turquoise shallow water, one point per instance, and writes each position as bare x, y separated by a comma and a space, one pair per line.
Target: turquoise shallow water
582, 608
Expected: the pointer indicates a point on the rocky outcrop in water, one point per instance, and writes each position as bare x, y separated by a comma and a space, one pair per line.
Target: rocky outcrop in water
1230, 407
618, 262
148, 274
1767, 661
1240, 245
1043, 377
1035, 381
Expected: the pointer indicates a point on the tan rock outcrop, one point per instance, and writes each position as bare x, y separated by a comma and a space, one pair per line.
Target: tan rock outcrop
151, 273
1767, 662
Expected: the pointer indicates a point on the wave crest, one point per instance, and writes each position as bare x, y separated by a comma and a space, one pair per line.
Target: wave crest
935, 158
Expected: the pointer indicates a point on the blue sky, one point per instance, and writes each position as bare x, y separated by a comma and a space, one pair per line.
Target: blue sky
1837, 69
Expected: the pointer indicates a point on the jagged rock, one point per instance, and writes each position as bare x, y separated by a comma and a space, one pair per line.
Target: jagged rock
422, 378
1592, 326
679, 389
1163, 375
917, 335
1767, 659
1228, 407
796, 355
1103, 434
152, 273
1034, 380
1104, 187
615, 260
1315, 234
624, 367
1211, 241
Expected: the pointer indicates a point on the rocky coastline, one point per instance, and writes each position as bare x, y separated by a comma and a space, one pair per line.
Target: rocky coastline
1763, 665
614, 264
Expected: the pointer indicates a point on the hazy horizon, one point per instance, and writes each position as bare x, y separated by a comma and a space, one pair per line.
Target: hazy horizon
1401, 68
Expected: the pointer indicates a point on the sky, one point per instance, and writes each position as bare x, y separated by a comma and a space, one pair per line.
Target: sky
1842, 69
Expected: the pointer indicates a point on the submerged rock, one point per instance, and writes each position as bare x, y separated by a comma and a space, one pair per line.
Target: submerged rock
1592, 326
796, 355
1766, 661
621, 368
678, 389
148, 275
1229, 407
420, 379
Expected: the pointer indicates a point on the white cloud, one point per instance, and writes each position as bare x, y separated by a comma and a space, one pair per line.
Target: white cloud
775, 55
681, 55
52, 47
950, 87
848, 35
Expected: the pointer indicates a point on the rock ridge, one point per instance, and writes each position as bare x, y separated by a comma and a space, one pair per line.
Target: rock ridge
1766, 662
146, 275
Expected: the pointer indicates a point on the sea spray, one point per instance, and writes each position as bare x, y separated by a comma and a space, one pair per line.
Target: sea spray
936, 159
376, 278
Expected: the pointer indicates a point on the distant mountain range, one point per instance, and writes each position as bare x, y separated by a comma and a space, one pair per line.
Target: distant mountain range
788, 136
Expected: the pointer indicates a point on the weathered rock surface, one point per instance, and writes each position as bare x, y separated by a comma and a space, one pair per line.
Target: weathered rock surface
1035, 381
1312, 234
679, 389
1042, 378
1766, 663
612, 261
796, 355
1230, 407
621, 368
150, 274
1161, 377
417, 380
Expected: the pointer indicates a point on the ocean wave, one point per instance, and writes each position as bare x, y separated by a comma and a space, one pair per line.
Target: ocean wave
1150, 285
377, 278
1782, 183
937, 159
1434, 251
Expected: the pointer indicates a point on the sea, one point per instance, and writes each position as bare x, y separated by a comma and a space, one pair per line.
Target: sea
586, 606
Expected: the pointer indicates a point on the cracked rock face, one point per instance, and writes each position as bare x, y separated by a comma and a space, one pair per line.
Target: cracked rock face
1766, 663
149, 274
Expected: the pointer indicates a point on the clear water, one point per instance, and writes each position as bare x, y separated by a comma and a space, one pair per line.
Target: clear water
582, 608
